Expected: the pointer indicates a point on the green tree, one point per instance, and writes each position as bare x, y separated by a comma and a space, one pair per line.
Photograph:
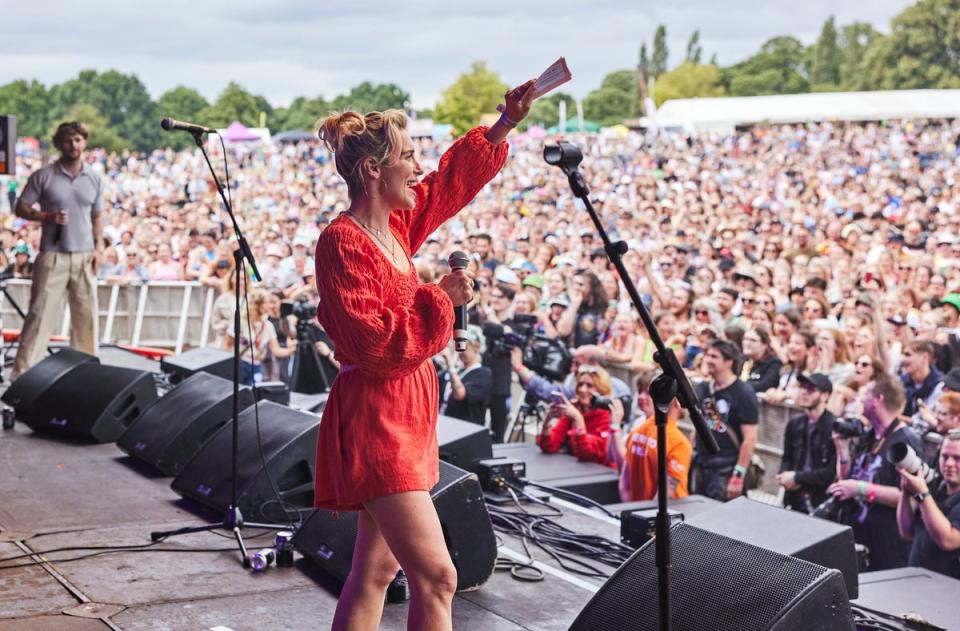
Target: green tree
183, 104
921, 51
615, 99
303, 113
694, 49
546, 110
825, 65
686, 81
855, 39
643, 63
235, 104
373, 97
101, 134
29, 101
474, 93
658, 64
121, 99
778, 68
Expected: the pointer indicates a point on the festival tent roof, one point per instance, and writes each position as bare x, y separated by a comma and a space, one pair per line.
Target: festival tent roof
294, 135
726, 113
238, 132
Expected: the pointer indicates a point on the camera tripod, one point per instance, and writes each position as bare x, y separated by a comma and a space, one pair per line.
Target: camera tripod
307, 375
531, 408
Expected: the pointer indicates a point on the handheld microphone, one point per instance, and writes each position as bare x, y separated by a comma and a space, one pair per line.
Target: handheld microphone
170, 124
458, 261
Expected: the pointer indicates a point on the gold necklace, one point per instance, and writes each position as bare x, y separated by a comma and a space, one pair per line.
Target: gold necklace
377, 234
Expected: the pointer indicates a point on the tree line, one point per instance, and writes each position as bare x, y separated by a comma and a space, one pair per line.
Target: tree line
922, 50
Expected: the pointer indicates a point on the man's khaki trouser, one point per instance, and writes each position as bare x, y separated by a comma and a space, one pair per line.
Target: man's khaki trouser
56, 274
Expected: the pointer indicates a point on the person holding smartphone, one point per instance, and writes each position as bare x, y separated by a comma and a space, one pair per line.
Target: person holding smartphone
587, 425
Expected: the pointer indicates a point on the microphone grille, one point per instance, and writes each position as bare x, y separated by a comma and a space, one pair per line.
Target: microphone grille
166, 123
458, 260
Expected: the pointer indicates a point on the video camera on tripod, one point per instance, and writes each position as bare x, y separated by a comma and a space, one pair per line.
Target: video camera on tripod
310, 371
544, 355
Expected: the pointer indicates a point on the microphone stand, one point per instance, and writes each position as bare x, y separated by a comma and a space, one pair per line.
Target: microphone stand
672, 383
233, 520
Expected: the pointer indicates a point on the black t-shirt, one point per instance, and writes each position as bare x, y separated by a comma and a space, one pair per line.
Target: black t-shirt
765, 374
727, 409
587, 327
924, 552
477, 382
875, 525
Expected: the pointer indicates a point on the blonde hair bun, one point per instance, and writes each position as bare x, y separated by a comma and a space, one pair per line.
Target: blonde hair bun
335, 129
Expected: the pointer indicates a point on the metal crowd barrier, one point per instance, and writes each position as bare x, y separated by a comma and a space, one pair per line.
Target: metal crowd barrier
168, 314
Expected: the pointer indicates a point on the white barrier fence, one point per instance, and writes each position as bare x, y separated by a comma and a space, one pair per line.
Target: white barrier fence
168, 314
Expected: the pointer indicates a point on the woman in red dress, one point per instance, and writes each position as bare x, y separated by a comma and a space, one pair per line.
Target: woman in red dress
377, 450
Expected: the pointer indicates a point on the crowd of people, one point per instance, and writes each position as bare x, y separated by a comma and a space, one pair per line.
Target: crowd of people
810, 265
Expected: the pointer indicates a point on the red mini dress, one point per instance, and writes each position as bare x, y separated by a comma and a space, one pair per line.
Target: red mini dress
378, 435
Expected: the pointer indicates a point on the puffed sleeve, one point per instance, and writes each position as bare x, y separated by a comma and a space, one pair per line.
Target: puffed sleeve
552, 441
381, 336
464, 169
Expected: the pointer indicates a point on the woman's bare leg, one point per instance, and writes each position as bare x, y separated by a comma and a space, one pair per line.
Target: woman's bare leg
409, 524
361, 601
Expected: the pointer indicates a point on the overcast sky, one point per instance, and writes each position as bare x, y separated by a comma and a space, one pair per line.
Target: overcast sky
287, 48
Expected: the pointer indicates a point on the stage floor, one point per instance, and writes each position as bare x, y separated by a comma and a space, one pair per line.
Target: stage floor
57, 493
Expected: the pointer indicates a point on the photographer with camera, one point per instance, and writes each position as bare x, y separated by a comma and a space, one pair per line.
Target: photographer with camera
542, 388
586, 425
464, 392
931, 520
809, 461
865, 496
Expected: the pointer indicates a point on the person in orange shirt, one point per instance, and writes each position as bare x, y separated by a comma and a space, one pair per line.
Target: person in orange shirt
638, 477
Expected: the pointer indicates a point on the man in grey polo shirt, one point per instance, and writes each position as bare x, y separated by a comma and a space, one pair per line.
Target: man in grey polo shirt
68, 193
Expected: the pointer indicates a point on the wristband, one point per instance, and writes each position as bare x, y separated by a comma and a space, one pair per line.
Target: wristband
919, 497
862, 490
872, 495
509, 122
739, 471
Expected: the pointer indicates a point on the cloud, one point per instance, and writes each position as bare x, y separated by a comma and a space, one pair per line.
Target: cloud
286, 48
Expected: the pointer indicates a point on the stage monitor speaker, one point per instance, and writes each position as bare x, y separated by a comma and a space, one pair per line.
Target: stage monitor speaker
202, 359
289, 447
720, 584
93, 402
462, 443
911, 590
32, 385
172, 430
787, 532
327, 538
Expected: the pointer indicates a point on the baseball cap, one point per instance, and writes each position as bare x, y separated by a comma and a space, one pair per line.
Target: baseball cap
560, 300
506, 275
951, 299
865, 300
533, 280
951, 380
275, 249
817, 380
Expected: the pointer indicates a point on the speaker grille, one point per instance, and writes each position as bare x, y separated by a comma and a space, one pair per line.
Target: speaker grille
717, 584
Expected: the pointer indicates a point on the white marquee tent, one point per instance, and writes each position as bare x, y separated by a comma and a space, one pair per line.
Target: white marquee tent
723, 114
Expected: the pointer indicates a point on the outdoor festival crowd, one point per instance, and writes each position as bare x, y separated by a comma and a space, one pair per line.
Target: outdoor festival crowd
813, 266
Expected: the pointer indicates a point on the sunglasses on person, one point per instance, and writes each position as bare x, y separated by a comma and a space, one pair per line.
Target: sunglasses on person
588, 370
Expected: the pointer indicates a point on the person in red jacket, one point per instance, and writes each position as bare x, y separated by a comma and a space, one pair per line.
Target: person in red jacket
377, 447
588, 430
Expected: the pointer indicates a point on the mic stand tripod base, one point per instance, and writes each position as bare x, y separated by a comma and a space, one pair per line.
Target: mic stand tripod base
232, 521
